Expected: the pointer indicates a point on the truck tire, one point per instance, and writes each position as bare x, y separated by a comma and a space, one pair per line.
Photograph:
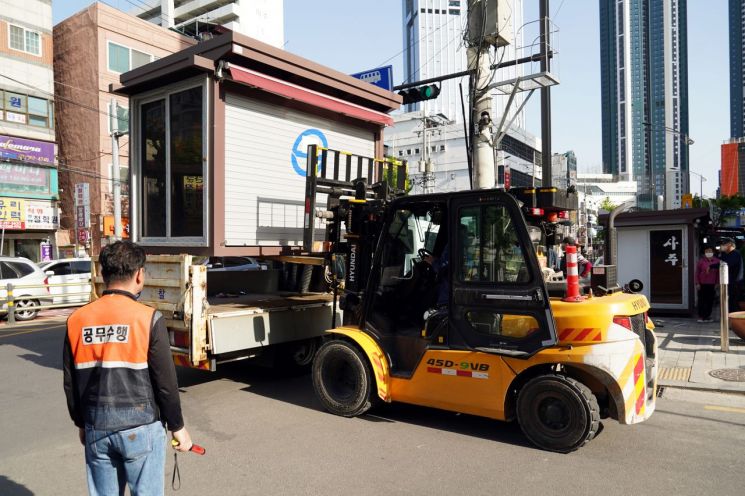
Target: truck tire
342, 379
557, 413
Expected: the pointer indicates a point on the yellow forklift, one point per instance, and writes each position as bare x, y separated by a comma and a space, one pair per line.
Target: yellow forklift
444, 305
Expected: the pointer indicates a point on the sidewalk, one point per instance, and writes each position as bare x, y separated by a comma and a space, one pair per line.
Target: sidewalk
688, 352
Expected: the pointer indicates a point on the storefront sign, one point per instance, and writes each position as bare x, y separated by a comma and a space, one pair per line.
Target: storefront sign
41, 215
46, 252
82, 205
108, 226
12, 213
21, 178
666, 264
23, 150
83, 236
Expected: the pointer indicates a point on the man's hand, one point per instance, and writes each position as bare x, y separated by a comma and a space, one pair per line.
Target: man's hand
81, 435
183, 438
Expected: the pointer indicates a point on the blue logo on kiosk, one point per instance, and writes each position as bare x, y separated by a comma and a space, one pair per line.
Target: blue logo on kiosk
299, 154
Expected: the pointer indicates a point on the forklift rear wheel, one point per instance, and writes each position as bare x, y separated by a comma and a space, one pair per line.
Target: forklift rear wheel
558, 413
342, 379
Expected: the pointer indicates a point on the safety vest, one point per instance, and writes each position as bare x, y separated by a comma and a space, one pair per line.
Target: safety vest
109, 339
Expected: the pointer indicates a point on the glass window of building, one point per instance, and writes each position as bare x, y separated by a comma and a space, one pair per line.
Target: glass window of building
118, 58
172, 165
123, 59
187, 182
24, 40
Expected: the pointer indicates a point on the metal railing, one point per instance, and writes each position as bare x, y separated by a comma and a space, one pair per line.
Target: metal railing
10, 300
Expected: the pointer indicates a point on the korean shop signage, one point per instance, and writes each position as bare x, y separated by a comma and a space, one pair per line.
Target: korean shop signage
12, 213
41, 215
21, 178
666, 266
23, 150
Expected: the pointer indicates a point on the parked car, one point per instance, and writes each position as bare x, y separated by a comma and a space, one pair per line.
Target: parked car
226, 264
23, 272
73, 271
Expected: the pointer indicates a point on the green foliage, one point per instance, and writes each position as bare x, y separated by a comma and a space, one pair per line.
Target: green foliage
699, 202
726, 207
607, 204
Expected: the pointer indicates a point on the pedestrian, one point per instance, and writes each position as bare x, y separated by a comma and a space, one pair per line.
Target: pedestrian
706, 278
733, 259
120, 381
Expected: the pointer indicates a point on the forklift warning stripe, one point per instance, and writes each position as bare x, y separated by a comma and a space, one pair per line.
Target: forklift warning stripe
586, 334
639, 384
456, 372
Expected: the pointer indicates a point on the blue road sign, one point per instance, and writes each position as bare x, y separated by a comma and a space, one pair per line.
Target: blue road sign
382, 76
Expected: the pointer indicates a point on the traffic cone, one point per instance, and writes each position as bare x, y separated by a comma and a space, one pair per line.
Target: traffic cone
572, 294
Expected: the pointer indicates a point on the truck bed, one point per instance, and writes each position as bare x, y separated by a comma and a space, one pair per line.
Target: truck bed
261, 302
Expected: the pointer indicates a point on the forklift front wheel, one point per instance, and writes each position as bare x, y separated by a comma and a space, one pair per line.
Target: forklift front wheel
558, 413
342, 379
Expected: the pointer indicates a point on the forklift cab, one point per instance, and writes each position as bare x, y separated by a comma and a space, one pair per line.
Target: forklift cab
484, 262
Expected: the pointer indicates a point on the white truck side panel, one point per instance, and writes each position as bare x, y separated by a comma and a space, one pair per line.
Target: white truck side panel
265, 161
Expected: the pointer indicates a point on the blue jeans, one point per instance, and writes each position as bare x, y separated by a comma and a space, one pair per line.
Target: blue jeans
135, 456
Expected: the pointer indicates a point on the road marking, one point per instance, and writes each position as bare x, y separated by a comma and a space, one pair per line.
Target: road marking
729, 409
3, 335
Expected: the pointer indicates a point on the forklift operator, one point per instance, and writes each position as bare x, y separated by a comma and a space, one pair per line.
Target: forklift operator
441, 264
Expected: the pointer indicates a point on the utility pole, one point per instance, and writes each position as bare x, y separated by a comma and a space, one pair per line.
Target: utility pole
545, 37
478, 61
115, 175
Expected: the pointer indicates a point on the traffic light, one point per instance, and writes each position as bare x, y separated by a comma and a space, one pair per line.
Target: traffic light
414, 95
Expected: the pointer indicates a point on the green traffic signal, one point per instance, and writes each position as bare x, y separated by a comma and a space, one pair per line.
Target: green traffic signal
414, 95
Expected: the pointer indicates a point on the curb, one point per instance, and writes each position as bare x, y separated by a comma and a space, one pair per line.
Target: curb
23, 325
712, 388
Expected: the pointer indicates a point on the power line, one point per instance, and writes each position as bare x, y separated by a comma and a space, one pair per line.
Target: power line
56, 97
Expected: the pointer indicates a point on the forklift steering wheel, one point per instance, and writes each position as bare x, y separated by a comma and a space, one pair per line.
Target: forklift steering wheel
423, 252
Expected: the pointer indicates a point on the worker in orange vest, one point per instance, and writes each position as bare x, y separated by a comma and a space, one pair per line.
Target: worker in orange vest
120, 381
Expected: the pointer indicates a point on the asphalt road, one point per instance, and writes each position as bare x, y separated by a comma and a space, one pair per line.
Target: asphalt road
266, 434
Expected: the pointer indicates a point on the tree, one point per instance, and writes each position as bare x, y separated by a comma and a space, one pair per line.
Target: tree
699, 202
607, 204
726, 207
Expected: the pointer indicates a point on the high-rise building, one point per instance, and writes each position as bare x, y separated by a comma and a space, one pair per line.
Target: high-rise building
644, 76
29, 215
259, 19
732, 176
434, 46
737, 68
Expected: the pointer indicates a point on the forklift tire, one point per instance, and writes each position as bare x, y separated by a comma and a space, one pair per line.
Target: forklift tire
343, 379
558, 413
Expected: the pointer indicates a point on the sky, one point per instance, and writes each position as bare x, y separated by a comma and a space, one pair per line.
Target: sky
355, 35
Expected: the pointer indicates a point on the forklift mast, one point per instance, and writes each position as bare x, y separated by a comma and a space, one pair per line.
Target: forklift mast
358, 190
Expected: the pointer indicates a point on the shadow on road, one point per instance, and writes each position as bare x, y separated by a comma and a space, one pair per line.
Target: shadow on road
10, 488
42, 340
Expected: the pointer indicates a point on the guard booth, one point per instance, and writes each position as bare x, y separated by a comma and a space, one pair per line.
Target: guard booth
660, 249
219, 138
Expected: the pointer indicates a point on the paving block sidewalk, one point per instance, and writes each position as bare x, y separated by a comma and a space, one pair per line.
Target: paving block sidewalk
688, 351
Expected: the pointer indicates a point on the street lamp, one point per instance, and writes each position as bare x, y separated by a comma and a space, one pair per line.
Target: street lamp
685, 140
701, 182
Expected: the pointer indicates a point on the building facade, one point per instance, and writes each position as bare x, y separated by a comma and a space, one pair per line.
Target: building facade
91, 50
644, 87
519, 159
259, 19
732, 175
29, 215
737, 68
564, 169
